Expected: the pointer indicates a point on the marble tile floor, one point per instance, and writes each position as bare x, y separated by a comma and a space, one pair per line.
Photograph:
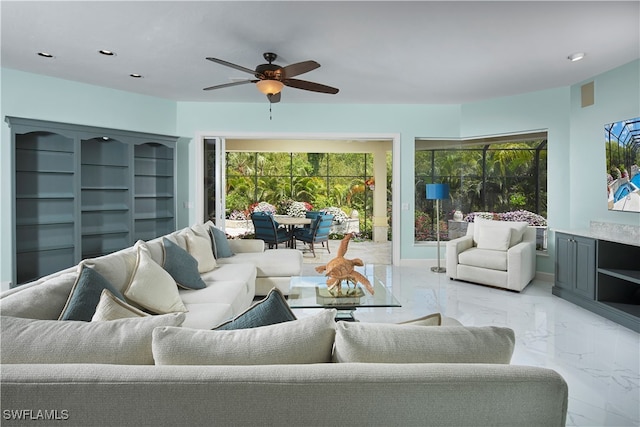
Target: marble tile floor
599, 359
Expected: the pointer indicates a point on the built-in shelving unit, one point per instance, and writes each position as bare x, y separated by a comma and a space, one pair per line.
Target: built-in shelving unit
82, 191
154, 190
600, 275
106, 197
44, 203
619, 277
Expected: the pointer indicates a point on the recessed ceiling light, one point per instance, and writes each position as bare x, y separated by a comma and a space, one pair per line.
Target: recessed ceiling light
106, 52
45, 55
135, 76
576, 56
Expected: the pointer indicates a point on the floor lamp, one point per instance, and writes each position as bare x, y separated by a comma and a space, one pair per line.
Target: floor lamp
438, 192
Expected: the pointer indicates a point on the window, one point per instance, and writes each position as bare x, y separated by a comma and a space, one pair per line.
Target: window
497, 176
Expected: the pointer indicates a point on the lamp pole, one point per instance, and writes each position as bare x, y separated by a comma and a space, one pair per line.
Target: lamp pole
438, 269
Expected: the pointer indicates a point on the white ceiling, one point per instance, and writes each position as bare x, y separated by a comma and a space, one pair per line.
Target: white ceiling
391, 52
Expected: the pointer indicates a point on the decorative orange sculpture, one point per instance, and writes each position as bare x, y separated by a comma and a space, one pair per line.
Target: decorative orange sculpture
340, 268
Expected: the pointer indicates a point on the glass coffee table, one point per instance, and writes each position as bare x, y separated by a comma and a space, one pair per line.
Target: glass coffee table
312, 292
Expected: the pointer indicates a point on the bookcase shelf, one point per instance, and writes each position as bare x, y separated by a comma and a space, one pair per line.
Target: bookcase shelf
82, 191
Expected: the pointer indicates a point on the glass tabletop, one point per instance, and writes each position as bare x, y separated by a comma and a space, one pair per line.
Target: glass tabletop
312, 292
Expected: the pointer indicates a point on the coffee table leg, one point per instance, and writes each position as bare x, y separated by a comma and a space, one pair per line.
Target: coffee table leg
346, 315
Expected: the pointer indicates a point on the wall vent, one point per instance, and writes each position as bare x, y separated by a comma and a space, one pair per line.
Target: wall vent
587, 96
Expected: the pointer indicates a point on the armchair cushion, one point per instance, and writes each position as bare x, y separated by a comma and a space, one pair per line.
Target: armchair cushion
494, 238
484, 258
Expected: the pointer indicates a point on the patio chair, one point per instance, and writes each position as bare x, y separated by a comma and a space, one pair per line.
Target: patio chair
318, 232
267, 229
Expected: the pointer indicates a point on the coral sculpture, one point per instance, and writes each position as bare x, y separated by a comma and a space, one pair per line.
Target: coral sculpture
341, 269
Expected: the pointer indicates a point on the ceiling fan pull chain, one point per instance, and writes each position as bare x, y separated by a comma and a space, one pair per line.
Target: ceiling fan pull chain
270, 118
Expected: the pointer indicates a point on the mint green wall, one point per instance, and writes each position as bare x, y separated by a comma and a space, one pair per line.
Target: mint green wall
617, 97
576, 146
46, 98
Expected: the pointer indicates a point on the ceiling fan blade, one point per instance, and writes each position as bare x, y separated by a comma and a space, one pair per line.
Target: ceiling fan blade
299, 68
241, 82
273, 98
306, 85
235, 66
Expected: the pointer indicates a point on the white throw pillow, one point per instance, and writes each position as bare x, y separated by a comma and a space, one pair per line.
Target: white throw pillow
494, 238
151, 286
389, 343
123, 341
517, 228
116, 267
200, 248
308, 340
112, 308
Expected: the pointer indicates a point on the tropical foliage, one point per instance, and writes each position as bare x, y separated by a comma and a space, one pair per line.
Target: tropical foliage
292, 182
499, 178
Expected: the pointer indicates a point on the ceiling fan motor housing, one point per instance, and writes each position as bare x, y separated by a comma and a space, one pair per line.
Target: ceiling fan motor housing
269, 71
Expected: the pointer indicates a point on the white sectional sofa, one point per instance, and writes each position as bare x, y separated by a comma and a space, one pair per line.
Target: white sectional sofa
231, 285
265, 367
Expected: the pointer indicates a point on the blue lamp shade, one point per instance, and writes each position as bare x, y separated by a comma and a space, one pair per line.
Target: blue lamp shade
437, 191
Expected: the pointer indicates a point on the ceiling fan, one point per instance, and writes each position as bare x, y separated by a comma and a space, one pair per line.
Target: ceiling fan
271, 78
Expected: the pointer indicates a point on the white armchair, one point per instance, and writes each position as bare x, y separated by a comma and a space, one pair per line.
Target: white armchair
494, 253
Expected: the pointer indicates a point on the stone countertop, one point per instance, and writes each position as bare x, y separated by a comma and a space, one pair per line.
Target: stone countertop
619, 233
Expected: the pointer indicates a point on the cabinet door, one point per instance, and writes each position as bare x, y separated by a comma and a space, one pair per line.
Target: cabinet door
564, 261
585, 267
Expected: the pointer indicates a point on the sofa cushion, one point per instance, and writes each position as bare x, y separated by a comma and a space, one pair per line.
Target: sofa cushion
307, 340
55, 291
124, 341
221, 248
151, 286
389, 343
181, 266
231, 292
200, 248
484, 258
112, 308
280, 263
207, 315
494, 238
268, 311
245, 273
85, 295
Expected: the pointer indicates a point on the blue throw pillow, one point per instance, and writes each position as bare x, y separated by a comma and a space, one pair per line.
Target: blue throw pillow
269, 311
221, 248
181, 266
85, 295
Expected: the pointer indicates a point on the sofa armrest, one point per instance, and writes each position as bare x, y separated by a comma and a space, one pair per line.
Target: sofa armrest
246, 245
454, 247
521, 262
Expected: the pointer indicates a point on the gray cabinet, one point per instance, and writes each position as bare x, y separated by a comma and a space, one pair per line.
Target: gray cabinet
82, 191
599, 275
575, 264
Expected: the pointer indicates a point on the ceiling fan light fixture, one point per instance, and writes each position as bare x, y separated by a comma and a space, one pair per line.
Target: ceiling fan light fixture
269, 87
